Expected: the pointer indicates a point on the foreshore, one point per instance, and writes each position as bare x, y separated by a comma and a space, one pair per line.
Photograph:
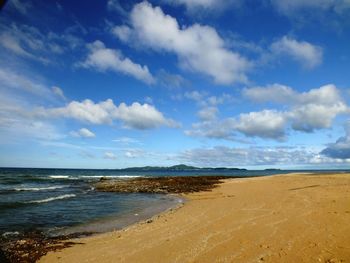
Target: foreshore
284, 218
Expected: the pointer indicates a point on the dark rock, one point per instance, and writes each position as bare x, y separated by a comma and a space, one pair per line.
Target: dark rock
104, 178
161, 185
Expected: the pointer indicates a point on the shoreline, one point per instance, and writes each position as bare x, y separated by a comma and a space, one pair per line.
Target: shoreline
30, 246
288, 218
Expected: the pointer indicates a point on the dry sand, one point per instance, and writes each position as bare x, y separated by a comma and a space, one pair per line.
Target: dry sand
286, 218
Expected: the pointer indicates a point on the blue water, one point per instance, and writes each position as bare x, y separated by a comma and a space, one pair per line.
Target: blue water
57, 200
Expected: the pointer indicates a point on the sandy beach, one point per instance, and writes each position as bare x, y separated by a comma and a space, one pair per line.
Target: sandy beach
284, 218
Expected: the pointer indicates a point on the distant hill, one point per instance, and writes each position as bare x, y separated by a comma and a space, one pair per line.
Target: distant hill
179, 167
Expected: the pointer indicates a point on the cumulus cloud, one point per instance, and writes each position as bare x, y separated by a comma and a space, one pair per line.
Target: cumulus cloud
83, 132
326, 95
341, 148
264, 124
311, 117
233, 157
305, 53
198, 48
106, 59
308, 111
305, 112
137, 116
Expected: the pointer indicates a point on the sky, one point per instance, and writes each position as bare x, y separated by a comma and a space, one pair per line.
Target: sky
234, 83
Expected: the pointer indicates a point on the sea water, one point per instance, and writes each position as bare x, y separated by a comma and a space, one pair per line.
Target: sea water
63, 201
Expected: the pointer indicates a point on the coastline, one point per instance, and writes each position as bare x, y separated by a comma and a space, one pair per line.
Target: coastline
288, 218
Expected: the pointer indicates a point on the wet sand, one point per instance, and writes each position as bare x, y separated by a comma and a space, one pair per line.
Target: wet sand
286, 218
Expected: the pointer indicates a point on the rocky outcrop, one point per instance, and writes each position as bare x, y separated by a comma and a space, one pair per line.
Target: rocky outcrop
161, 185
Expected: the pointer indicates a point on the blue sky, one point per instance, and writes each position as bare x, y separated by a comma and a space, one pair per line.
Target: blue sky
113, 84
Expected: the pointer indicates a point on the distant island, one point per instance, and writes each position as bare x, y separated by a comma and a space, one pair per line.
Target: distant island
180, 167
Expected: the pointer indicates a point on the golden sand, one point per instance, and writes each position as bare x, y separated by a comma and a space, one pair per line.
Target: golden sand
286, 218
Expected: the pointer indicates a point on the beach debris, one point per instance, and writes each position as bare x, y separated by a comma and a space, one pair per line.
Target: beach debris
31, 246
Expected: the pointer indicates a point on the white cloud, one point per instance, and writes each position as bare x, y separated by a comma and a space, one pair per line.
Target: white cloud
207, 114
21, 6
83, 132
16, 82
31, 43
291, 7
104, 59
304, 112
195, 95
202, 4
214, 129
203, 99
171, 81
308, 111
114, 5
122, 32
264, 124
126, 140
143, 116
18, 128
86, 111
137, 116
58, 92
16, 122
270, 93
311, 117
110, 156
325, 95
199, 48
19, 94
134, 153
233, 157
341, 148
305, 53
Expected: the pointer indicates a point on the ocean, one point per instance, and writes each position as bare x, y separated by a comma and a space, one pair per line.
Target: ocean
63, 201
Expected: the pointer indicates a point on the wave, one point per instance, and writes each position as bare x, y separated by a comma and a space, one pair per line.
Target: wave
51, 199
8, 234
110, 176
59, 176
39, 188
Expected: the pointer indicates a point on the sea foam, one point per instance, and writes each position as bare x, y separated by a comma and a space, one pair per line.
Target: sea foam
52, 199
59, 176
39, 188
110, 176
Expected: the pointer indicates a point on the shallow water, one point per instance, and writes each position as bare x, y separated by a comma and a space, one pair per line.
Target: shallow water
32, 199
